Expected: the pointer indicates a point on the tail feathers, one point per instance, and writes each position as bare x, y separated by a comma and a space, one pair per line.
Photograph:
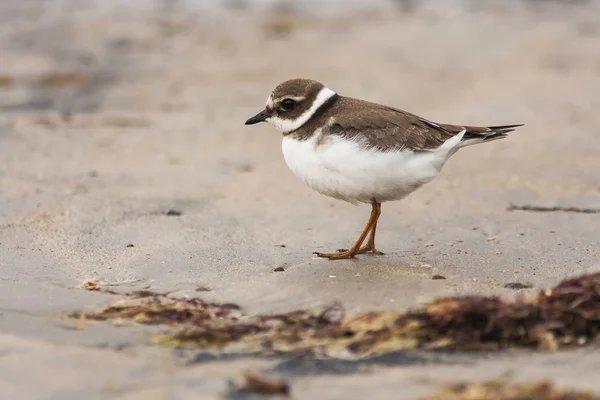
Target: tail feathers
469, 135
504, 128
474, 135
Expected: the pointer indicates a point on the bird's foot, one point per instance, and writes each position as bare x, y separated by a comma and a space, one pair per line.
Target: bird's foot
370, 249
366, 249
339, 255
343, 254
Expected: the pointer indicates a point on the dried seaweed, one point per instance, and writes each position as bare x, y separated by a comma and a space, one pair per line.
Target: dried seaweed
95, 286
63, 79
567, 315
503, 390
534, 208
157, 310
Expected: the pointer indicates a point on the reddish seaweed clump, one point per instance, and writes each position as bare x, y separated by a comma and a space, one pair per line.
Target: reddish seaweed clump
566, 315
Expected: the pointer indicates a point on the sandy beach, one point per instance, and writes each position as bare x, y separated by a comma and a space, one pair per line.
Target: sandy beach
124, 159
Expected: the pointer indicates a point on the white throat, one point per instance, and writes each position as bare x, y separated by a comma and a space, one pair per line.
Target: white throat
289, 125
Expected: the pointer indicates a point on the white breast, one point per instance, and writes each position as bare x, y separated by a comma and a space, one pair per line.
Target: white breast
346, 170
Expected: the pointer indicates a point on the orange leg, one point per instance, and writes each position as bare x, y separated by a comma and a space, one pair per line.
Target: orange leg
370, 246
357, 249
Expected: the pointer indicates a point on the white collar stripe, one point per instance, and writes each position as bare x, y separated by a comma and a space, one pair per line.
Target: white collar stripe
290, 125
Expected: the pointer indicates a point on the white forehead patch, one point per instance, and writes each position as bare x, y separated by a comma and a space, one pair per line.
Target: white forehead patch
288, 125
269, 102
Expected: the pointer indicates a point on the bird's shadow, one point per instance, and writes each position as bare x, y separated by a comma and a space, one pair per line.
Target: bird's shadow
299, 366
306, 366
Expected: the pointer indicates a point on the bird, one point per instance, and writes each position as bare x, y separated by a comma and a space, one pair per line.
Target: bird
359, 151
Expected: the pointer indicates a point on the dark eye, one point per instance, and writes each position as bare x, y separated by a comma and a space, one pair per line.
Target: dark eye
288, 104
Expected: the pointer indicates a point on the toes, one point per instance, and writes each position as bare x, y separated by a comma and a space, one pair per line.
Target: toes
325, 255
370, 250
341, 250
334, 256
341, 256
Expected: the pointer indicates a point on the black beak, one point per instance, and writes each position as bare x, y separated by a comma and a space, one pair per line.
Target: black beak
260, 117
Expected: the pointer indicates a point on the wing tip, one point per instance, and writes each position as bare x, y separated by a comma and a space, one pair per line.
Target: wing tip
504, 128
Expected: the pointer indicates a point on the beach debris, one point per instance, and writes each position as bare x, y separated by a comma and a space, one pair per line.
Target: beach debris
95, 286
537, 208
173, 213
257, 383
518, 285
504, 390
566, 315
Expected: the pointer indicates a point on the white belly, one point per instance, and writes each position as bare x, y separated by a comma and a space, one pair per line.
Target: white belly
345, 170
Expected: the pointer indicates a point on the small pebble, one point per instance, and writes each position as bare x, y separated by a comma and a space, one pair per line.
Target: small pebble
438, 276
279, 269
518, 285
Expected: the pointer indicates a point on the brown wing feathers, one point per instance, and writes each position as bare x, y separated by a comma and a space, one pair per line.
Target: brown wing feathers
388, 128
